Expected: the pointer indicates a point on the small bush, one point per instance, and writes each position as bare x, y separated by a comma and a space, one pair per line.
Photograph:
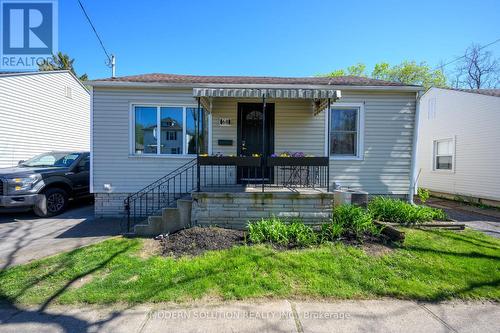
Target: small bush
398, 211
271, 230
350, 220
347, 222
301, 235
423, 194
330, 232
275, 231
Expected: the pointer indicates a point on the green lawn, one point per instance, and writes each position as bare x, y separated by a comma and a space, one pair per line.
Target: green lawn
431, 265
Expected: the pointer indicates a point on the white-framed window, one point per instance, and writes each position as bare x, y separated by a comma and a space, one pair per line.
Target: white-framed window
176, 134
346, 124
443, 154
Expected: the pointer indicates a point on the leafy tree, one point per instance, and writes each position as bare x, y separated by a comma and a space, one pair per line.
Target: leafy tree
335, 73
408, 72
355, 70
60, 61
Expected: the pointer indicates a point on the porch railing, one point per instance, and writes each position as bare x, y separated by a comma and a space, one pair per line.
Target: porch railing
160, 194
213, 173
262, 173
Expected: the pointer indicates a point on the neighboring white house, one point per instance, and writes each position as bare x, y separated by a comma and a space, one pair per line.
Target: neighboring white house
459, 143
40, 112
368, 141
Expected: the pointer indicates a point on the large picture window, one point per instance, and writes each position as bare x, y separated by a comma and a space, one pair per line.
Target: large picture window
176, 134
345, 131
146, 130
171, 130
191, 118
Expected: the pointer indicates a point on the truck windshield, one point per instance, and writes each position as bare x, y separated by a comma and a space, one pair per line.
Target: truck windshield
52, 160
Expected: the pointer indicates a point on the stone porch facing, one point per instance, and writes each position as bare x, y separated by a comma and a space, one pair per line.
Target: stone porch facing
109, 205
234, 210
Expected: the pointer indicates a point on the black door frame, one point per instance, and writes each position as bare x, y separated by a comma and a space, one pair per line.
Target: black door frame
269, 128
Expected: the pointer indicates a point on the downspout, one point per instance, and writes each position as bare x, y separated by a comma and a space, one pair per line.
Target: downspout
414, 151
91, 129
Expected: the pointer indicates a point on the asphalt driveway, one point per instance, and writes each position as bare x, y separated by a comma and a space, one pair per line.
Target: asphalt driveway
25, 237
486, 220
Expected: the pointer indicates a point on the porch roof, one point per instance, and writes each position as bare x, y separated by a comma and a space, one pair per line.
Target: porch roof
293, 93
319, 97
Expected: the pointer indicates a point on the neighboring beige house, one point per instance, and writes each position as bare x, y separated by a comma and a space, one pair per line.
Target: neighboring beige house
40, 112
363, 140
459, 137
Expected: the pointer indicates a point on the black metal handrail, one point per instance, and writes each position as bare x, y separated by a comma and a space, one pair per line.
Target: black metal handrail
275, 172
161, 193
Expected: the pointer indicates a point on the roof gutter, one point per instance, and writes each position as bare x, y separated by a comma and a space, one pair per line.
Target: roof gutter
122, 84
414, 151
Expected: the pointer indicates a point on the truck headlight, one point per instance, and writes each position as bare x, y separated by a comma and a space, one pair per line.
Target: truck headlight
23, 184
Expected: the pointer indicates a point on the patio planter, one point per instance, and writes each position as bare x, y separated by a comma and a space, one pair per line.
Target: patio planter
230, 160
297, 161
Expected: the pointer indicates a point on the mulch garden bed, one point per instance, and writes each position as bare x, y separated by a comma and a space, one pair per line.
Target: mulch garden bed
197, 240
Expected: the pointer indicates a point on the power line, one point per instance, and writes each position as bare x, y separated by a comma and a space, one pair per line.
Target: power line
461, 57
95, 31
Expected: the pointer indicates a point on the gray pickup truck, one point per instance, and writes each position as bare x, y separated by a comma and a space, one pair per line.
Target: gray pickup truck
46, 182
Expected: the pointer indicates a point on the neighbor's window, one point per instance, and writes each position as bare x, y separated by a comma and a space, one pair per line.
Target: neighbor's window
171, 129
173, 138
344, 131
443, 154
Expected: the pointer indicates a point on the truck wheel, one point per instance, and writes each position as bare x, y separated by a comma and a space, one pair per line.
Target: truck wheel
53, 202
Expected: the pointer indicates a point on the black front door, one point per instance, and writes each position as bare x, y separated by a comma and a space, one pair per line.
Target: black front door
250, 137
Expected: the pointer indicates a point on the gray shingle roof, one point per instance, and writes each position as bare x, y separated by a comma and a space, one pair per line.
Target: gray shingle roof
488, 92
197, 79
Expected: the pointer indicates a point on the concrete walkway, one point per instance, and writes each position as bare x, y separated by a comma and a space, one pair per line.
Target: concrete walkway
265, 316
25, 237
486, 220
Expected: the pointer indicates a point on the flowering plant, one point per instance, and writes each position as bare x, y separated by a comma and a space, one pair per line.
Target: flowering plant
289, 154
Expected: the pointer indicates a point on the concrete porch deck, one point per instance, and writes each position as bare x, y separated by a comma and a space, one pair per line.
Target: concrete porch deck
258, 189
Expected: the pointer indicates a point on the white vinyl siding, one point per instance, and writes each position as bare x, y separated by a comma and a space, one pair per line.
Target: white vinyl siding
37, 115
388, 134
473, 121
387, 144
113, 164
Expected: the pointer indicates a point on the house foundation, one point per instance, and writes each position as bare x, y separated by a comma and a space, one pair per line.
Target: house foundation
235, 210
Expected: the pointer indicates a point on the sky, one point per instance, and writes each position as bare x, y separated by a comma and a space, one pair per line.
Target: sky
270, 37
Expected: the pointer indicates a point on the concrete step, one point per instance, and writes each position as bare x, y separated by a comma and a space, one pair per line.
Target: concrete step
171, 220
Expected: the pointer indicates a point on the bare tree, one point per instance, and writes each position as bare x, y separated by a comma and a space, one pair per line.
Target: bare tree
478, 69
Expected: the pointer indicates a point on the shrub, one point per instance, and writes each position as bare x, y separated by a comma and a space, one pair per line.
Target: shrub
330, 232
348, 221
275, 231
423, 194
301, 235
354, 220
398, 211
271, 230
